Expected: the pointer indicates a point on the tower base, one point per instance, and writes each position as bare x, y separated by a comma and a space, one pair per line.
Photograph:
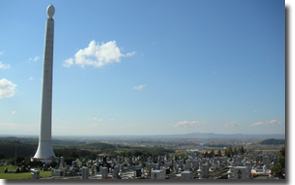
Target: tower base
45, 152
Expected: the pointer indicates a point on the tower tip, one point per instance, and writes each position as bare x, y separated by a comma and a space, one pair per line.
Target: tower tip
50, 11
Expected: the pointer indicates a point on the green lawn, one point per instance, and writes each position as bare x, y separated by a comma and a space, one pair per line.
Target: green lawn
26, 175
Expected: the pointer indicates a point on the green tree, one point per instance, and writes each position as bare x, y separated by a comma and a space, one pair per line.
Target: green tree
279, 168
235, 151
219, 153
230, 151
206, 154
69, 160
58, 154
128, 153
241, 150
73, 154
211, 154
148, 154
18, 161
2, 156
250, 152
92, 156
137, 153
53, 164
35, 163
225, 152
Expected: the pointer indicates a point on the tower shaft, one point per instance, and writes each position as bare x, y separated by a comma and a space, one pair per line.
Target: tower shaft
45, 152
45, 132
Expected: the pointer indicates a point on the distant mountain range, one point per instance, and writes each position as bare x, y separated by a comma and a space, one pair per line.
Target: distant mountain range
186, 136
221, 136
197, 135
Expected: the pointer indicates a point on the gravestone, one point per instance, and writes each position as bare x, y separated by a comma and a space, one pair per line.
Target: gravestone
85, 172
241, 172
35, 174
187, 175
158, 174
104, 172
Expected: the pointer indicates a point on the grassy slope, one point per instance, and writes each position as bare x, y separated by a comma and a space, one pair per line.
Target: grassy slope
26, 175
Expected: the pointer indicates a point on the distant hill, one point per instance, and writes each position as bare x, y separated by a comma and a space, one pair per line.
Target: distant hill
97, 146
273, 142
213, 135
240, 136
72, 140
10, 149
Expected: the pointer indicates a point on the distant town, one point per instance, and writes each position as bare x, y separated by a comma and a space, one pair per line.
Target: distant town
145, 158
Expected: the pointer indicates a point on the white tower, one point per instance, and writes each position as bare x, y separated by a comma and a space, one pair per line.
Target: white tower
44, 152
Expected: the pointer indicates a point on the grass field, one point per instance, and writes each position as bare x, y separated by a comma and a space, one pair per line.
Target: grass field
26, 175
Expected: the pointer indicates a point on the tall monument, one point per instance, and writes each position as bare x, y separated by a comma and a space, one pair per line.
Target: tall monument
44, 152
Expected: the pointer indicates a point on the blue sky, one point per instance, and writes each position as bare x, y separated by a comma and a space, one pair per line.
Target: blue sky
146, 67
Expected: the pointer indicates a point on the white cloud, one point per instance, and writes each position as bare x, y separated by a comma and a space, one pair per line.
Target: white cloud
4, 66
94, 119
232, 124
68, 62
255, 111
13, 112
31, 78
186, 124
130, 54
7, 88
97, 55
266, 123
1, 53
139, 87
35, 59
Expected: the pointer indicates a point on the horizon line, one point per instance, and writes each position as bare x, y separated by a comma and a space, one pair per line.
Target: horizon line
33, 135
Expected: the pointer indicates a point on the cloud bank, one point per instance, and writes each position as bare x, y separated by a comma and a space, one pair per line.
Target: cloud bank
266, 123
139, 87
94, 119
97, 55
187, 124
4, 66
7, 88
35, 59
